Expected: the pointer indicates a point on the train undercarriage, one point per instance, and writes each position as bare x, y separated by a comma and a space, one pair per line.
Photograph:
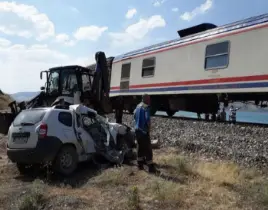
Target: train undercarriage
208, 104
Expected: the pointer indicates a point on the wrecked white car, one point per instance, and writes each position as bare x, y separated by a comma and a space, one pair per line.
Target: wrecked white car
65, 137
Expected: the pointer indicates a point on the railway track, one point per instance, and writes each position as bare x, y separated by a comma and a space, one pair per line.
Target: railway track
209, 121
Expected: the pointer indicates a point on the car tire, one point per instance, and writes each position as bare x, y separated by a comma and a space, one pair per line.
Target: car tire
66, 161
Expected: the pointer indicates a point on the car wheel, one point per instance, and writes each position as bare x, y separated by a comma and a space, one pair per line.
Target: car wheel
66, 161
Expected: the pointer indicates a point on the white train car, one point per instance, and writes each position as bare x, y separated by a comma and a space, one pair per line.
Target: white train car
199, 70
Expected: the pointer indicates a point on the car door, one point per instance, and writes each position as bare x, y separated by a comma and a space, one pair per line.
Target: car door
83, 138
65, 130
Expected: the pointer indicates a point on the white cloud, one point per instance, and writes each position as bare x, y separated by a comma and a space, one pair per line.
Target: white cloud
25, 21
130, 13
141, 28
64, 39
203, 8
21, 65
74, 9
175, 9
136, 32
4, 42
91, 33
158, 3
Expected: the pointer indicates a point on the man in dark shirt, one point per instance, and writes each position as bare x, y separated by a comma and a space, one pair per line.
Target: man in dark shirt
142, 130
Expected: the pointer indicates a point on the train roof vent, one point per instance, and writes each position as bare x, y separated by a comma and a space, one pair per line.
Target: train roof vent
196, 29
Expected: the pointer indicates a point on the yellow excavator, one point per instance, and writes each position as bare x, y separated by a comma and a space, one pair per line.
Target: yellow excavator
70, 85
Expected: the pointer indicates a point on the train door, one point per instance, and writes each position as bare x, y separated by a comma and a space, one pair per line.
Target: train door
125, 76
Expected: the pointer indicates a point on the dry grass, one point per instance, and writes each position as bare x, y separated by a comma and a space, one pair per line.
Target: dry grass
134, 199
34, 198
112, 177
184, 183
220, 173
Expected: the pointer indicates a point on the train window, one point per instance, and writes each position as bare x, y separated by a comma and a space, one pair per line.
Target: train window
148, 66
217, 55
124, 85
125, 70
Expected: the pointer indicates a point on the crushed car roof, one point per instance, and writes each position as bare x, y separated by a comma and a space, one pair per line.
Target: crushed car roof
81, 109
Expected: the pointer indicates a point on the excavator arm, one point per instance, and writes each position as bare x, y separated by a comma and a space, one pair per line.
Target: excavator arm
100, 85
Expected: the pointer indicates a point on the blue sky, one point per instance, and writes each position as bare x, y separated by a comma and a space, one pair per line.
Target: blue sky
36, 35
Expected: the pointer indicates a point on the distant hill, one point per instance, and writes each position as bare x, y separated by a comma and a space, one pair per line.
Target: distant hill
24, 96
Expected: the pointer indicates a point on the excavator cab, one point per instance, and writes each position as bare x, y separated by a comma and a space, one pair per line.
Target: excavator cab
65, 81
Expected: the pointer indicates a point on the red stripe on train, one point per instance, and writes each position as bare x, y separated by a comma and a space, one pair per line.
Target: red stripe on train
200, 82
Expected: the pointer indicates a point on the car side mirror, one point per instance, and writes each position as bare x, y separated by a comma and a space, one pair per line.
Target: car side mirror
42, 88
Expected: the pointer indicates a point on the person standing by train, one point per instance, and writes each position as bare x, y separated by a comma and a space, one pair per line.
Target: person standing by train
223, 115
142, 130
232, 114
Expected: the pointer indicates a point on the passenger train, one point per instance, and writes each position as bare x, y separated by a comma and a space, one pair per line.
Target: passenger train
205, 66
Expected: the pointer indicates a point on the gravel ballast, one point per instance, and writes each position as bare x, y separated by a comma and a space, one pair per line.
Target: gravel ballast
246, 145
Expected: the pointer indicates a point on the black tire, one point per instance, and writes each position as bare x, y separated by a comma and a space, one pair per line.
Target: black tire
170, 113
66, 154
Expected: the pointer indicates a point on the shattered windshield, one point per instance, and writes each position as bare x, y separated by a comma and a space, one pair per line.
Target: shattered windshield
53, 81
68, 81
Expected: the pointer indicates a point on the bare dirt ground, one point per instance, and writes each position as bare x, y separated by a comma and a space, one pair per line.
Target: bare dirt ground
183, 182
